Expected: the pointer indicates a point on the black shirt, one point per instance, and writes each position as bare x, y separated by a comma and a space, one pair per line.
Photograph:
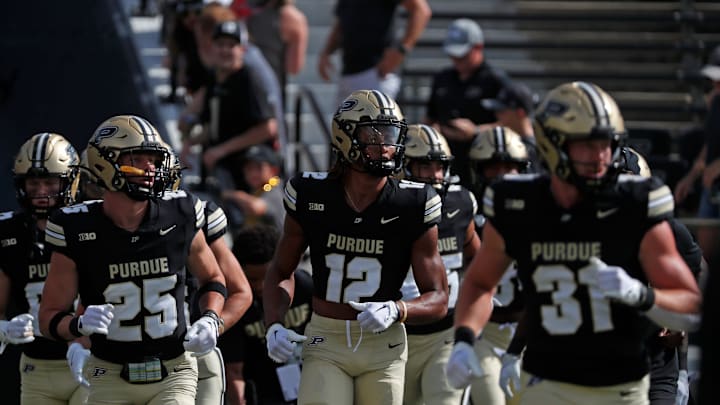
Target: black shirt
574, 334
360, 256
242, 105
142, 273
452, 98
458, 210
366, 29
25, 261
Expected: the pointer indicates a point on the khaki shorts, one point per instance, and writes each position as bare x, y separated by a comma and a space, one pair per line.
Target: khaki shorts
49, 382
425, 379
107, 387
495, 339
542, 392
344, 366
211, 379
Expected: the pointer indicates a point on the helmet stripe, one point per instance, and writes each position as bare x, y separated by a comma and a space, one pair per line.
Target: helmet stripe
146, 129
382, 99
39, 150
596, 101
499, 133
432, 136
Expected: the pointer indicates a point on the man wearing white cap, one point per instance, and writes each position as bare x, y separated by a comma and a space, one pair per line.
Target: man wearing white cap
455, 104
707, 165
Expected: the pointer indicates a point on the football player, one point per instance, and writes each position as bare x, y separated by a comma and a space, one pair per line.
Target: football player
253, 378
45, 180
211, 375
494, 153
427, 160
590, 291
364, 230
126, 257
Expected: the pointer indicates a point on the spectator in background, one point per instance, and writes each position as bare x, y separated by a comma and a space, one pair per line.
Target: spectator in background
514, 107
182, 58
707, 166
235, 114
280, 30
364, 32
267, 84
263, 203
455, 103
252, 378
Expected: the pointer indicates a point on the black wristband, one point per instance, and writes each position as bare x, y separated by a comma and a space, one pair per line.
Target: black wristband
212, 286
465, 334
647, 300
75, 327
54, 322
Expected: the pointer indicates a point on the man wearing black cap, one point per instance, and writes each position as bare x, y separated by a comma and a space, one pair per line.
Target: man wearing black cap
234, 116
455, 103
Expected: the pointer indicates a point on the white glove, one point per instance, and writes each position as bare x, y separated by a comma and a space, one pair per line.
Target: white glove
18, 330
616, 284
376, 316
281, 342
462, 366
202, 335
683, 388
510, 372
96, 319
77, 356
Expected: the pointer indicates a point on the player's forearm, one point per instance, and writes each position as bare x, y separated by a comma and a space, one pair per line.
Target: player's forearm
277, 296
473, 307
55, 324
428, 307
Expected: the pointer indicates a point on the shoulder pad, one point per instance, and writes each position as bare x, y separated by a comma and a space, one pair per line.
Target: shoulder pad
433, 207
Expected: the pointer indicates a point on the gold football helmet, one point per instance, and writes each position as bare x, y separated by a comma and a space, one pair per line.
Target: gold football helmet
128, 134
496, 145
46, 155
424, 143
375, 112
578, 111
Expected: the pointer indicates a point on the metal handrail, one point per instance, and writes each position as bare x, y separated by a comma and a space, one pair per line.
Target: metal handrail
301, 148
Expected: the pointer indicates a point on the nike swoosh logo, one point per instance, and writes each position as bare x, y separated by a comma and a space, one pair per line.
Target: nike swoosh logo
384, 221
452, 214
606, 213
164, 232
392, 346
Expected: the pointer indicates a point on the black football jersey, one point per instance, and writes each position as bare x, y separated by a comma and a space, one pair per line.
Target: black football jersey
576, 335
245, 341
214, 229
142, 273
458, 210
25, 261
360, 256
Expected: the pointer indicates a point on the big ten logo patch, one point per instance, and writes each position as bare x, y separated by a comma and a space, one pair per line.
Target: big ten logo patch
295, 317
